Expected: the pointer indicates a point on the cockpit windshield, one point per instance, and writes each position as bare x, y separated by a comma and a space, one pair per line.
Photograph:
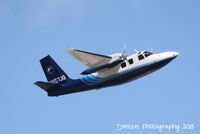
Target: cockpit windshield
147, 53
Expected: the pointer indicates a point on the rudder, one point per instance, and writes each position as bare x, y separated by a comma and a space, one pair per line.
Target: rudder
53, 72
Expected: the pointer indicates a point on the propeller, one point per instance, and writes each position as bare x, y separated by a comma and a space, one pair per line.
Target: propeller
124, 51
136, 51
124, 55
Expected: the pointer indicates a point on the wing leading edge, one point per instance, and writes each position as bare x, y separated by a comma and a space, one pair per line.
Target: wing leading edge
90, 59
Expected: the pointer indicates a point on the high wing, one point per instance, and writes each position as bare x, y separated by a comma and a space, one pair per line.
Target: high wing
90, 59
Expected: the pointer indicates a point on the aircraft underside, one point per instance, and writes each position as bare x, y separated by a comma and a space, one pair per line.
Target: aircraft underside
135, 74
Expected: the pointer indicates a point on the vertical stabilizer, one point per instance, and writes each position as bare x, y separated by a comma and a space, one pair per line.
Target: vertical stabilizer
53, 72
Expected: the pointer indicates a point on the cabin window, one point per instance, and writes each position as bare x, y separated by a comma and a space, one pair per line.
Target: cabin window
140, 57
123, 64
130, 61
146, 53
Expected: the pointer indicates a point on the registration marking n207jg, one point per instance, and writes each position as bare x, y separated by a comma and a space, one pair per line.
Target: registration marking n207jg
58, 79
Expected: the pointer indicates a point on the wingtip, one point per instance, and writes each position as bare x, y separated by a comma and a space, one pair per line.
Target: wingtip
70, 50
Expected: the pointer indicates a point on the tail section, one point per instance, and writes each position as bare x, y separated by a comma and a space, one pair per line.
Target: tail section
53, 72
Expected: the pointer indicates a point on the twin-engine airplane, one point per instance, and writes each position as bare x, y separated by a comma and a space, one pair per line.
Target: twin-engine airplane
103, 71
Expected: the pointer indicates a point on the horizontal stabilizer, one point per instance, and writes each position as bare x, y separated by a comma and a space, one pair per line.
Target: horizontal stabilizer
46, 86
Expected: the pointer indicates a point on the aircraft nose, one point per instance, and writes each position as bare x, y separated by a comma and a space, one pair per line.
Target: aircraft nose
175, 54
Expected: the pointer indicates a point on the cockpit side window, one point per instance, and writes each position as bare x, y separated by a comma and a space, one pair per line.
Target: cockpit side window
123, 65
146, 53
130, 61
140, 57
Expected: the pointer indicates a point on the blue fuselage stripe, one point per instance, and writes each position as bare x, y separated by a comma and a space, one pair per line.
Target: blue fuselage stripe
92, 80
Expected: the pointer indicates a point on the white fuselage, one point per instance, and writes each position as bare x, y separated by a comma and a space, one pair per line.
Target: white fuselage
136, 63
133, 67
